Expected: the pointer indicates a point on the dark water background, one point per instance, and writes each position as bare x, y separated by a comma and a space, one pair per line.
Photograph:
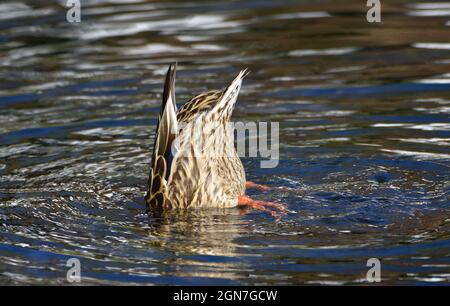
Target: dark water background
364, 131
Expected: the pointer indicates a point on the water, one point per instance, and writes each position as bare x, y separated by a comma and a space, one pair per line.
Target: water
364, 132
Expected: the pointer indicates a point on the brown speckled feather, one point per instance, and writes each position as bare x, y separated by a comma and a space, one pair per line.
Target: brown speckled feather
165, 134
184, 172
197, 104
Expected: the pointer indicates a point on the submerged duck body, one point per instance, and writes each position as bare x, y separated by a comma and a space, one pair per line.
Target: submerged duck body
194, 162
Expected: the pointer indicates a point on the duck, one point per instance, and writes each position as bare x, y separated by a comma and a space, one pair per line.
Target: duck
194, 163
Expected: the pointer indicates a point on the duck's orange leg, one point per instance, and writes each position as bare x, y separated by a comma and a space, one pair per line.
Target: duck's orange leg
250, 184
274, 209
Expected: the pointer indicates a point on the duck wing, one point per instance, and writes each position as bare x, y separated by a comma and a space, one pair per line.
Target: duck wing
166, 132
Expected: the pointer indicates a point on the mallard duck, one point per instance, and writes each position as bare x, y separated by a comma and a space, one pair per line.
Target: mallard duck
194, 162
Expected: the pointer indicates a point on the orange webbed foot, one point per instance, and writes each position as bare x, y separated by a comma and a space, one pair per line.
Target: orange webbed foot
250, 184
276, 210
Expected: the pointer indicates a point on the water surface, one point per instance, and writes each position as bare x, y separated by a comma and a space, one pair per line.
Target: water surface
364, 141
